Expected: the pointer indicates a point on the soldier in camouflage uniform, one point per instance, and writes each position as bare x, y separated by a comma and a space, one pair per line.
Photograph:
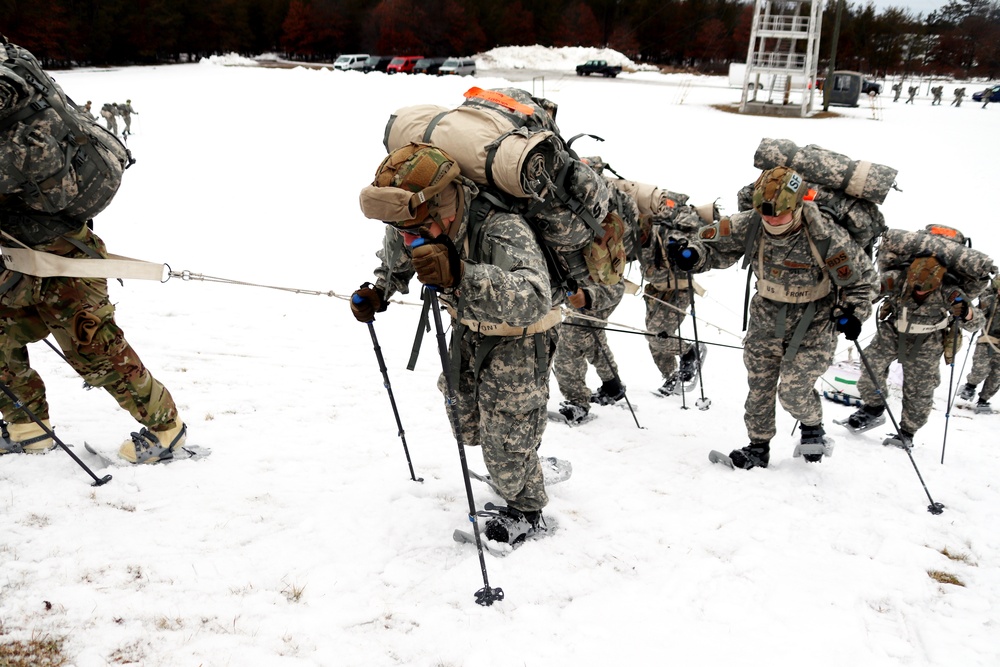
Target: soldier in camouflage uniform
914, 327
109, 111
912, 90
583, 340
959, 94
986, 360
937, 91
812, 281
76, 311
667, 292
126, 111
897, 88
495, 283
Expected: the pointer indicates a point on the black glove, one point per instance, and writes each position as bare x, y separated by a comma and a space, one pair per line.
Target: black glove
681, 255
436, 261
365, 302
847, 323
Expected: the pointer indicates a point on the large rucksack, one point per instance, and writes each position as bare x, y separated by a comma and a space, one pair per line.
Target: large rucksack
846, 191
507, 141
58, 167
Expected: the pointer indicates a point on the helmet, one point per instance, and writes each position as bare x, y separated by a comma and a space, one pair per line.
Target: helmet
406, 184
778, 191
925, 274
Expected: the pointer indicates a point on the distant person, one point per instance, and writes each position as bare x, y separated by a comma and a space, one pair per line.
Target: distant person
986, 96
912, 90
959, 94
108, 112
126, 112
937, 91
897, 88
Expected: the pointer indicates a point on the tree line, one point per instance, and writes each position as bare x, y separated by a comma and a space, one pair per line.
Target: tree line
961, 39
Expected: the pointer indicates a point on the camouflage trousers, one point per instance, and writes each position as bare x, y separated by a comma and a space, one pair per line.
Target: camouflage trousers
78, 314
661, 318
985, 368
583, 341
503, 408
921, 372
770, 375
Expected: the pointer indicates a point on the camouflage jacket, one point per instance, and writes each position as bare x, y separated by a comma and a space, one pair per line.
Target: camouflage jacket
790, 261
988, 306
506, 279
906, 313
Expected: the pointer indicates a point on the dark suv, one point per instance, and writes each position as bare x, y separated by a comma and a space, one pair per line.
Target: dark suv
376, 63
870, 87
428, 65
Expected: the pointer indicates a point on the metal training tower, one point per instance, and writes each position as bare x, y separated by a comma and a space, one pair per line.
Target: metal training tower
782, 57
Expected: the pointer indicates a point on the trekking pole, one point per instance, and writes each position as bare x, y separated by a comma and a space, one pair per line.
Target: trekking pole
702, 403
388, 388
485, 596
952, 387
614, 373
86, 385
933, 508
98, 481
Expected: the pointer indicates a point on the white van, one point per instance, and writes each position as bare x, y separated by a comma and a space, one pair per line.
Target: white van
459, 66
351, 61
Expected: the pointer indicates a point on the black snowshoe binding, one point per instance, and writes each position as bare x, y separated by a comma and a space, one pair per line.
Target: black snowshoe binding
967, 392
814, 444
688, 371
669, 387
512, 526
574, 414
903, 440
754, 455
983, 407
609, 393
865, 418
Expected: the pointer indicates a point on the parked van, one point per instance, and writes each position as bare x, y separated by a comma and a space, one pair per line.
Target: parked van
402, 64
350, 61
459, 66
428, 65
376, 63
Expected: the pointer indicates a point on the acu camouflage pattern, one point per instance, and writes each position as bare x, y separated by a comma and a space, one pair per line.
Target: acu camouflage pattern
56, 164
857, 178
504, 408
919, 353
77, 312
588, 343
772, 325
584, 341
986, 359
972, 268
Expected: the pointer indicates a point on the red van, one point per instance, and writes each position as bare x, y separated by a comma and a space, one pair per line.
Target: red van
402, 64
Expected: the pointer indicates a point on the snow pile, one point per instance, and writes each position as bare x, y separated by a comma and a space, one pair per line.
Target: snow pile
228, 60
552, 58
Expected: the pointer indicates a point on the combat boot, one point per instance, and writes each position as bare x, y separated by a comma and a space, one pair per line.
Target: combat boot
865, 418
814, 443
967, 392
152, 446
669, 387
754, 455
609, 393
513, 526
27, 438
573, 413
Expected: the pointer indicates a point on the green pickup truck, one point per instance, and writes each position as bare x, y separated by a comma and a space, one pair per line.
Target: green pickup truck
598, 67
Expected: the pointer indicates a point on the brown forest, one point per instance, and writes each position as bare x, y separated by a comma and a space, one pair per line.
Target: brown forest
962, 38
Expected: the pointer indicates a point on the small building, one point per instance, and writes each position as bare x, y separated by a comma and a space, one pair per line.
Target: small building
844, 88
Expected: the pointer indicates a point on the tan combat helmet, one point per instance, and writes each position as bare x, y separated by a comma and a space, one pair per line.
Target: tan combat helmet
778, 191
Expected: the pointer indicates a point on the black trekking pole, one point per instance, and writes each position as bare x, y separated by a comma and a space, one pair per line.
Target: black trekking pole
485, 596
388, 388
86, 385
98, 481
933, 508
614, 373
702, 403
952, 387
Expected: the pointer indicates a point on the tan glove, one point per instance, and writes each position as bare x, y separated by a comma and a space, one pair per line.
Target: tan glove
437, 263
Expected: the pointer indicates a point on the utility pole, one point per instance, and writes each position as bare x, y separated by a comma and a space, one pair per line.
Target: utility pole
833, 56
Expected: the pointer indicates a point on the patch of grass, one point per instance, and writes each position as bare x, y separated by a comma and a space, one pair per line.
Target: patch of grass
292, 592
960, 557
944, 578
43, 651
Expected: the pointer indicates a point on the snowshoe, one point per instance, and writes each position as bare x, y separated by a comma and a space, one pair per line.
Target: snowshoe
967, 392
508, 525
864, 419
572, 414
754, 455
718, 457
669, 387
688, 371
609, 393
903, 440
553, 471
814, 444
983, 408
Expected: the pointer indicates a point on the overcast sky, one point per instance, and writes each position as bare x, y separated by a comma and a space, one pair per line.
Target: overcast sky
924, 7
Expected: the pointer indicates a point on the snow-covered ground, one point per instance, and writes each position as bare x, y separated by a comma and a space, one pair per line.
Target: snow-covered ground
303, 541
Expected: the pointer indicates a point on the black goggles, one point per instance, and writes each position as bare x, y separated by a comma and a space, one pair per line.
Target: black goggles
767, 208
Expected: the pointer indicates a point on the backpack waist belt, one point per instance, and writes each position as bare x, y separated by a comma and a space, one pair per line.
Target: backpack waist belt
903, 325
552, 318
